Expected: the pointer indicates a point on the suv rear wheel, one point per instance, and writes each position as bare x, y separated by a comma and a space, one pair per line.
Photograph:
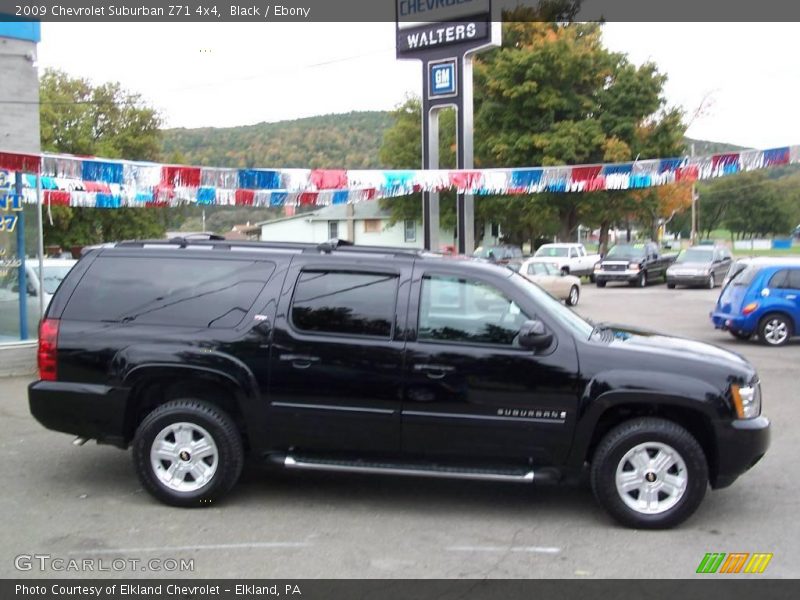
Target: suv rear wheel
649, 473
188, 453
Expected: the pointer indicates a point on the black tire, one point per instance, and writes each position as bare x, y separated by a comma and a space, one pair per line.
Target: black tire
774, 320
671, 286
572, 301
648, 430
600, 284
711, 283
222, 431
641, 280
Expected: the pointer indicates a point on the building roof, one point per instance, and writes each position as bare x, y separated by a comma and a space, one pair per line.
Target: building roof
361, 210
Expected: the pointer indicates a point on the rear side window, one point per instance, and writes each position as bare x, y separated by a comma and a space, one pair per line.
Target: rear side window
345, 303
793, 281
168, 291
779, 279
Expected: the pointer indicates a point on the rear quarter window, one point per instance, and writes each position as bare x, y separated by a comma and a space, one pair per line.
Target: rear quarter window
180, 292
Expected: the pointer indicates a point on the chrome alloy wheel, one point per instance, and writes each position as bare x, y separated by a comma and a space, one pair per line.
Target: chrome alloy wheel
184, 457
651, 478
776, 331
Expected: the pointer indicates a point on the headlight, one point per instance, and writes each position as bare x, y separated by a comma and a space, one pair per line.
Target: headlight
747, 400
633, 266
597, 266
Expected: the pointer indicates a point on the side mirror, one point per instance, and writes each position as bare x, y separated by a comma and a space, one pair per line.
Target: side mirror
533, 335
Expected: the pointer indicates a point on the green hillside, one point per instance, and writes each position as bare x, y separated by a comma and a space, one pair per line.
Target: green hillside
350, 140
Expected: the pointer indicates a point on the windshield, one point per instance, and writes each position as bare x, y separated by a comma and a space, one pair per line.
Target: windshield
552, 251
694, 255
626, 252
564, 315
53, 276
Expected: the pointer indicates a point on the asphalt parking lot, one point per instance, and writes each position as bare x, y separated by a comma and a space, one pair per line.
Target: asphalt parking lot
86, 502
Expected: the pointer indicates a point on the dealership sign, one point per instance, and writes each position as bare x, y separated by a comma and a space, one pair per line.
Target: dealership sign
412, 13
426, 25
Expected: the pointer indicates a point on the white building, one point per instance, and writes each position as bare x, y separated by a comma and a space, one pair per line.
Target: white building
364, 223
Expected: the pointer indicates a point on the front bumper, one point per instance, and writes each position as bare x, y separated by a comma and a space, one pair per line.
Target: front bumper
741, 443
626, 275
89, 410
687, 279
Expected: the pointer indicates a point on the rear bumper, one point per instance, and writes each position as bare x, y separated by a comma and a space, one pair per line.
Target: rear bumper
741, 444
88, 410
729, 322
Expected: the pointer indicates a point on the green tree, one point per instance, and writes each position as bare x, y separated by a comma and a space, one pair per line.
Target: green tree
105, 120
756, 206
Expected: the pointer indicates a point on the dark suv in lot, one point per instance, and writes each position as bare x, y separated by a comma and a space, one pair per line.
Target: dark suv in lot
379, 360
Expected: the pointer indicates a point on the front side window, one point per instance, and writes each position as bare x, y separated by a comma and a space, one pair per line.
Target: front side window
345, 303
467, 311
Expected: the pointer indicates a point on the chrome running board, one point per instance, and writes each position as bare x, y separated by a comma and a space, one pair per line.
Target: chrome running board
511, 475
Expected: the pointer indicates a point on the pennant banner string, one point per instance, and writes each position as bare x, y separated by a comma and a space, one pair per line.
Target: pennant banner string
79, 181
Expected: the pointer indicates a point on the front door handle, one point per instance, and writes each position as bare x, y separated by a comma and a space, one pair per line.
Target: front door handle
791, 297
434, 371
299, 361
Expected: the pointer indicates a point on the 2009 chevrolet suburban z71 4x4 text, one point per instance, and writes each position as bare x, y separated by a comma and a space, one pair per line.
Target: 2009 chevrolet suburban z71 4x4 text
380, 360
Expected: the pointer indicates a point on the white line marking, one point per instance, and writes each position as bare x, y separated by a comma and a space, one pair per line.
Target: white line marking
197, 547
538, 549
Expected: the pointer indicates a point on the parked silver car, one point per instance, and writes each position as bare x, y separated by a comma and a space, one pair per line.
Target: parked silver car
699, 266
55, 269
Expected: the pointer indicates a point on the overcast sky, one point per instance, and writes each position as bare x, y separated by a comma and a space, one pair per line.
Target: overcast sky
745, 76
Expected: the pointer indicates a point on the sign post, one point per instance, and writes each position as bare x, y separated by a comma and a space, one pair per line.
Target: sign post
445, 38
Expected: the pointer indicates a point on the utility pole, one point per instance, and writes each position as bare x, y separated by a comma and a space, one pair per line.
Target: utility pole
693, 235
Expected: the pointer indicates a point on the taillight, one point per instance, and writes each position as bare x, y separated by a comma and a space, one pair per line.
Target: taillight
48, 349
750, 308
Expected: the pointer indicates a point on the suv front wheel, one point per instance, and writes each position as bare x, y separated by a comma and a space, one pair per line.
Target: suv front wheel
188, 453
649, 473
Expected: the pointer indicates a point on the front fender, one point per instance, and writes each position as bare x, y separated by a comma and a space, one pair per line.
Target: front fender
644, 389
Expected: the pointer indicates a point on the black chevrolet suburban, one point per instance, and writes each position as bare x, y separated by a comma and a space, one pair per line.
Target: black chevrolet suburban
335, 357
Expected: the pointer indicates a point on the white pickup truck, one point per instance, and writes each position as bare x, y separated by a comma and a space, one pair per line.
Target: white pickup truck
571, 259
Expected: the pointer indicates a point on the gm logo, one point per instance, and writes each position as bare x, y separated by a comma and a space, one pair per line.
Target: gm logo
442, 78
735, 562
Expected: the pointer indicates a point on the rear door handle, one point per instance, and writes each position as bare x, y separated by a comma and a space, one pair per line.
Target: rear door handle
299, 361
434, 371
792, 297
